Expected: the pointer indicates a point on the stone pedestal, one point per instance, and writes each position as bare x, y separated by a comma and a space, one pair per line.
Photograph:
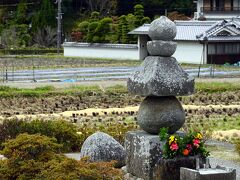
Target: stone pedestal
144, 157
143, 152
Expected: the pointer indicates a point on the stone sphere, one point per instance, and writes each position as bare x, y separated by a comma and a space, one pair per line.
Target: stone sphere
161, 48
158, 112
162, 29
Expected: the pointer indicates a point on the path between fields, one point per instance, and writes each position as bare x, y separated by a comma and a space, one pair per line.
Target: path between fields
109, 83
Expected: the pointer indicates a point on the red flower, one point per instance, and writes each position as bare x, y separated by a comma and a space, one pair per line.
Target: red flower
196, 142
174, 147
189, 147
186, 152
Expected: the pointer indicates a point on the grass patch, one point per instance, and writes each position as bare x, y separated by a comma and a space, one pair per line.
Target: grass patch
6, 91
223, 153
214, 87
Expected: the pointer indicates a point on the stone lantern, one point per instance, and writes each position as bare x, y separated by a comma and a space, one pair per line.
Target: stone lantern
160, 79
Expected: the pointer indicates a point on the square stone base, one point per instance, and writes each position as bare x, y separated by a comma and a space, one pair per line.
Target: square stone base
143, 151
144, 158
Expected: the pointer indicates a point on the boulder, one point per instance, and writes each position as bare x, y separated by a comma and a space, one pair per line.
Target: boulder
161, 48
162, 29
160, 76
102, 147
158, 112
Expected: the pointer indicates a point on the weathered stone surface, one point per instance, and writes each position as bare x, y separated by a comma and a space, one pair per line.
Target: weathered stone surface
157, 112
161, 48
162, 29
143, 151
160, 76
219, 173
169, 169
102, 147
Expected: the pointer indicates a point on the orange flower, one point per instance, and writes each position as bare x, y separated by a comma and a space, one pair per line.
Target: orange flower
186, 152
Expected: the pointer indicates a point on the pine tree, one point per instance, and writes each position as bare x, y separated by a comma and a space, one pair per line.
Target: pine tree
21, 14
123, 29
46, 16
139, 14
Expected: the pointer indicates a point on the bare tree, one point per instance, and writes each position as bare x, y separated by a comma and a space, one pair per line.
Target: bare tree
46, 37
104, 7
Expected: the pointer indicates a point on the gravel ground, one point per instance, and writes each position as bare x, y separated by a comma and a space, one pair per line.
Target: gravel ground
101, 83
214, 161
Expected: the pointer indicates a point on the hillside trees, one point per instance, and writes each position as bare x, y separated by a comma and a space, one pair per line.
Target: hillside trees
104, 7
44, 24
16, 31
45, 16
21, 14
110, 30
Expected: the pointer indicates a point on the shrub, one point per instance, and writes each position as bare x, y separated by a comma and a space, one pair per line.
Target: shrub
72, 169
63, 131
45, 37
145, 20
95, 16
36, 157
16, 36
26, 156
103, 29
91, 31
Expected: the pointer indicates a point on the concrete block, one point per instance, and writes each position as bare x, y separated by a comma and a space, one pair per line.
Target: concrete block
218, 173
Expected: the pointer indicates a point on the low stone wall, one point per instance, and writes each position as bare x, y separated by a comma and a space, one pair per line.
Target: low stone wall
99, 50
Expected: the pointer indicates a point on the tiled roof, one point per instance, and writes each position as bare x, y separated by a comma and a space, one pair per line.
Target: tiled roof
189, 30
194, 30
186, 30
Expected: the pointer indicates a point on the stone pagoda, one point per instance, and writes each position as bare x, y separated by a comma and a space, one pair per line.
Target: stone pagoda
160, 79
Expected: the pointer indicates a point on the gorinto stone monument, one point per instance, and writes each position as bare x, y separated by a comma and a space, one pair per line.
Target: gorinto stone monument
159, 79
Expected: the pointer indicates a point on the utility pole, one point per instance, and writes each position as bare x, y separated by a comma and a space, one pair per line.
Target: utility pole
59, 25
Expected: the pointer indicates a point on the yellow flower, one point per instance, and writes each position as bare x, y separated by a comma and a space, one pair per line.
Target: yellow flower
198, 136
172, 139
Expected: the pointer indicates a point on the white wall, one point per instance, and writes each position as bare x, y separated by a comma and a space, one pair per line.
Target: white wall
101, 52
188, 52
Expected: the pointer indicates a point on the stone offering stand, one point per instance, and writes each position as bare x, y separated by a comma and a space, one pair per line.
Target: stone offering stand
160, 79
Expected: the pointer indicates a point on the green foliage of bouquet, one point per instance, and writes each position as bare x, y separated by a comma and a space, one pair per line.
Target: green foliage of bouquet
192, 144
